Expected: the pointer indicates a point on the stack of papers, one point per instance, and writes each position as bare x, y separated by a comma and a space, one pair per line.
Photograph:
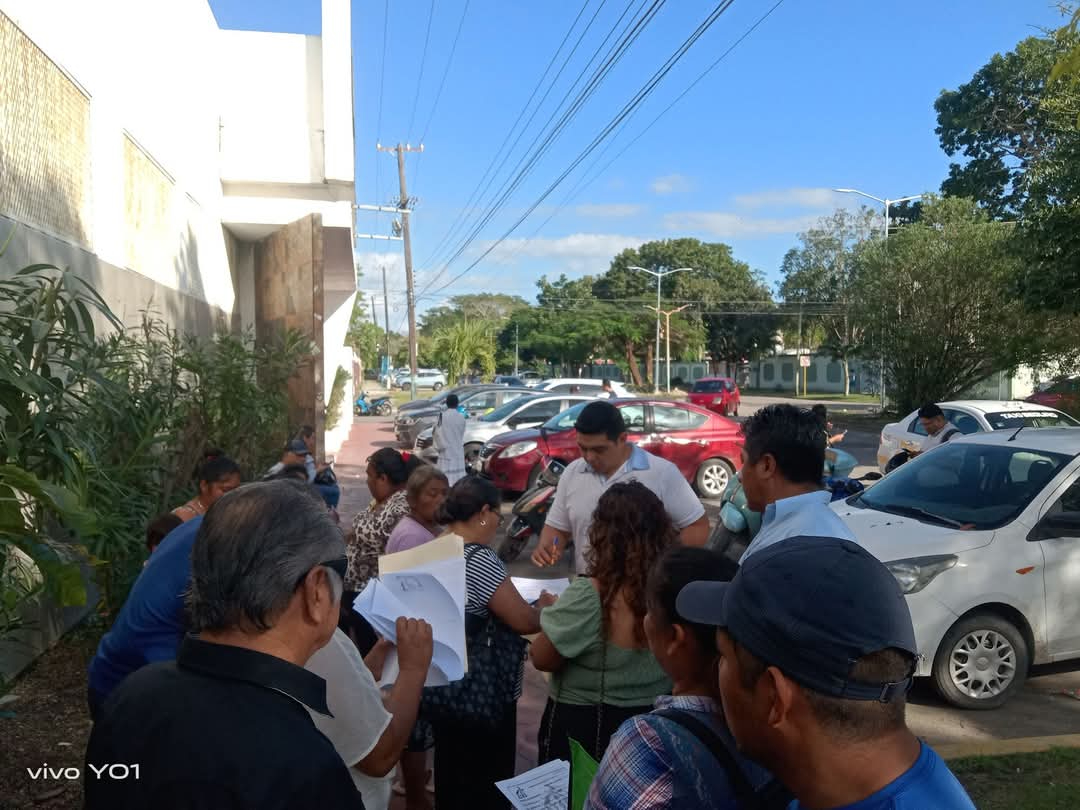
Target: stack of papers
543, 788
530, 589
426, 582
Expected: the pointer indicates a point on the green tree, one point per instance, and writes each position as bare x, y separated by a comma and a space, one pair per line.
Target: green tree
820, 278
365, 338
564, 328
464, 346
935, 298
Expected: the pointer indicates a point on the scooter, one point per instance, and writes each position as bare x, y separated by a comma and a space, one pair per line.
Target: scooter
380, 406
530, 512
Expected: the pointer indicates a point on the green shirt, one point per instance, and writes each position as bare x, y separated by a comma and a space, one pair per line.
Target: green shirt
573, 625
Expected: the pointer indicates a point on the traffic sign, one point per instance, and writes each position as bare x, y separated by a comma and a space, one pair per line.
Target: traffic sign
804, 360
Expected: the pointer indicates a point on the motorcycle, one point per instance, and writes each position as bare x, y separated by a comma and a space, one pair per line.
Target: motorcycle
530, 512
380, 406
738, 524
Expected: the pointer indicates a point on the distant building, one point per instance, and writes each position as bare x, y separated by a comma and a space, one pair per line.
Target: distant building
204, 172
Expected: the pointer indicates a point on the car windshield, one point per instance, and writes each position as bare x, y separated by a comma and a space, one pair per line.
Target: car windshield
708, 387
977, 486
1006, 420
566, 419
503, 412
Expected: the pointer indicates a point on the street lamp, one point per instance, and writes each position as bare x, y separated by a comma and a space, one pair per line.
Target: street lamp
886, 203
660, 276
667, 313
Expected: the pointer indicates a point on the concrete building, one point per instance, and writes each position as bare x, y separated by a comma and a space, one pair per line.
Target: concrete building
204, 173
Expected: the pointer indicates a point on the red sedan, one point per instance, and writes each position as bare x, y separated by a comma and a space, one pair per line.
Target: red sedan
719, 394
705, 446
1063, 395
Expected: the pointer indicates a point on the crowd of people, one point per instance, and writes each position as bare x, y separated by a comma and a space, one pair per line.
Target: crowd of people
238, 675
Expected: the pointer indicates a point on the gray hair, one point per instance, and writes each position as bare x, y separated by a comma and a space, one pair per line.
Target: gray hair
254, 547
420, 478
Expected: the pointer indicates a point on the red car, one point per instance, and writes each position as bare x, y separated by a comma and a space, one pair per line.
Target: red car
705, 447
719, 394
1063, 395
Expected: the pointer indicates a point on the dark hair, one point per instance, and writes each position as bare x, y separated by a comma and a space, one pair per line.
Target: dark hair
158, 528
821, 412
605, 383
388, 461
215, 466
792, 436
600, 417
452, 400
305, 431
930, 410
630, 531
843, 718
412, 464
468, 497
679, 567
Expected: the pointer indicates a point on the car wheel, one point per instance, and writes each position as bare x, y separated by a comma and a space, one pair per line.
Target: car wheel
437, 386
472, 456
982, 661
713, 477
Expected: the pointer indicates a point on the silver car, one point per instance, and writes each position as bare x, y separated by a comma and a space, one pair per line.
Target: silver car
524, 412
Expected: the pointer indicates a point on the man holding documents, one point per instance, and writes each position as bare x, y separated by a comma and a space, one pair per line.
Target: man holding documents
608, 458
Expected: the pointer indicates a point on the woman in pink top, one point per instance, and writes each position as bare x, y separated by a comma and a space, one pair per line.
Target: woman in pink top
425, 492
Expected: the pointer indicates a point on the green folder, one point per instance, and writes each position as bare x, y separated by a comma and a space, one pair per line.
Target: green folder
582, 770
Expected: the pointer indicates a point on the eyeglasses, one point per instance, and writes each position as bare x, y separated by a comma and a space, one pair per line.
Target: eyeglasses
340, 565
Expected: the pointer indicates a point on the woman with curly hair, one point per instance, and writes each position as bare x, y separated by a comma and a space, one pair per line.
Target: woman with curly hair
593, 640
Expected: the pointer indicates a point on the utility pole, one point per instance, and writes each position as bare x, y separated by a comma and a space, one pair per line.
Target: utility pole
798, 353
660, 275
386, 320
667, 335
403, 210
374, 320
515, 349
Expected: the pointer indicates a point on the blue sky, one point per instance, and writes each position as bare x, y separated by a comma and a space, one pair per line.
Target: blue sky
833, 93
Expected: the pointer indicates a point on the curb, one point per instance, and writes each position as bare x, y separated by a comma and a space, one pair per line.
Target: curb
1019, 745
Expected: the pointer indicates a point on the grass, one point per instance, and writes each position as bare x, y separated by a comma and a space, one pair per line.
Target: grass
870, 399
1049, 780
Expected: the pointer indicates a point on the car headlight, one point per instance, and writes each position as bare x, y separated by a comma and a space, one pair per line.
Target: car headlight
405, 421
915, 573
518, 449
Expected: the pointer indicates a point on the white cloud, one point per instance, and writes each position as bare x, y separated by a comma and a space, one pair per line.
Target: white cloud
791, 198
728, 225
671, 184
609, 210
577, 253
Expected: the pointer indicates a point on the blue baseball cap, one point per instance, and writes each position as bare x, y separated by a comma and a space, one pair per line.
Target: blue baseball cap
812, 607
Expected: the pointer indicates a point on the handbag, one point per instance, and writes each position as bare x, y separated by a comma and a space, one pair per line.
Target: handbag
496, 654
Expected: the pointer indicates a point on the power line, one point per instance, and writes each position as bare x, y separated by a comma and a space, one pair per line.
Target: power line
634, 102
420, 76
527, 162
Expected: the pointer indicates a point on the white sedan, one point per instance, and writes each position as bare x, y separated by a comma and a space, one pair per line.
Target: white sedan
970, 416
983, 535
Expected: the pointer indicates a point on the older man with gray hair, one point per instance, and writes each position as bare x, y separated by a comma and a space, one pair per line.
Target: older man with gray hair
226, 724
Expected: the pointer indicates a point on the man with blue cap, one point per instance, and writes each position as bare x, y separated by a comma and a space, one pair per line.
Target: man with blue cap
817, 657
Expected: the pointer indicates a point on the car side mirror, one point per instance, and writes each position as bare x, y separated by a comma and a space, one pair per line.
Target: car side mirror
1059, 524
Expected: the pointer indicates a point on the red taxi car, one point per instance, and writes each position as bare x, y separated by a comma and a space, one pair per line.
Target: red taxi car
705, 446
719, 394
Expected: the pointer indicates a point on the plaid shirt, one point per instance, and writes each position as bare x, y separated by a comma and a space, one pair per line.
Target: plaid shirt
656, 763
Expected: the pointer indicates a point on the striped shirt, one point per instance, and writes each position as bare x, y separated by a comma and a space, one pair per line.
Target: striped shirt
484, 573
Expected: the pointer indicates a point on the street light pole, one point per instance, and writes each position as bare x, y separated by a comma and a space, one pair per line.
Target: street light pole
886, 203
667, 335
660, 276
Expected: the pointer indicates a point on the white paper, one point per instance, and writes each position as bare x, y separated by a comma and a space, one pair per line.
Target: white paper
543, 788
530, 588
431, 586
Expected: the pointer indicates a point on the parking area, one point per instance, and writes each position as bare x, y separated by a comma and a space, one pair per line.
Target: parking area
1048, 705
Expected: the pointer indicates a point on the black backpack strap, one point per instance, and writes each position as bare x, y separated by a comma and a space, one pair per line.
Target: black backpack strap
770, 796
949, 434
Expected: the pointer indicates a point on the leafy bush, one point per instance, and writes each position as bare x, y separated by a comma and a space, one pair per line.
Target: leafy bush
337, 397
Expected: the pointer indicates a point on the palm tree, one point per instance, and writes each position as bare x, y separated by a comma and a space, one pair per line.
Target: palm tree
464, 345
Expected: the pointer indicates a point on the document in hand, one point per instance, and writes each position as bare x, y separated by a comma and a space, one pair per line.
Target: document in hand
426, 582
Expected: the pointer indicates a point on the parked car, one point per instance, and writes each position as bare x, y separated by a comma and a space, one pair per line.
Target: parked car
439, 398
983, 535
1063, 394
531, 378
508, 379
719, 394
484, 398
425, 378
580, 385
524, 412
705, 446
970, 416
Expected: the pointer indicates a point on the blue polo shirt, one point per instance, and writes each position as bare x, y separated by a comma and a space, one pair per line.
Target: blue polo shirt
151, 623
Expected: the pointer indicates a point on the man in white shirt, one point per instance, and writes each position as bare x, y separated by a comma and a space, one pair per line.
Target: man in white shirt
369, 733
938, 429
608, 458
783, 459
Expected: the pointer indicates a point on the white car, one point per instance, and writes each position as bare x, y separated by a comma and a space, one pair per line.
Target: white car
983, 535
970, 416
591, 386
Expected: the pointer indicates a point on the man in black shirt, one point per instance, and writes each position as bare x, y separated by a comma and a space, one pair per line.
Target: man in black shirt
225, 725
